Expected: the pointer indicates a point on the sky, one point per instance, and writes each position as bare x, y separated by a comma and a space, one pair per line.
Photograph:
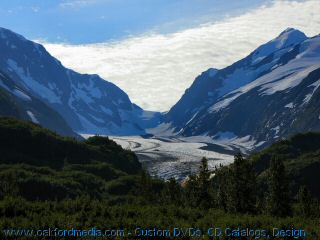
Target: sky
153, 49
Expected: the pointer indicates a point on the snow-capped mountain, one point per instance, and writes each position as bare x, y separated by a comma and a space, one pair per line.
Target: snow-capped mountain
272, 93
15, 102
88, 103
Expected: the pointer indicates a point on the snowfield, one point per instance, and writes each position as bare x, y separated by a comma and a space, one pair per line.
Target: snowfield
168, 157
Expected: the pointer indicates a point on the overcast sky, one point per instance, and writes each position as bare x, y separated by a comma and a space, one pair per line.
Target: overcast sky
153, 49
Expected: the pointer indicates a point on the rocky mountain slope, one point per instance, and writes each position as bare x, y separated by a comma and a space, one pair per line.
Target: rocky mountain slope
15, 102
88, 103
270, 94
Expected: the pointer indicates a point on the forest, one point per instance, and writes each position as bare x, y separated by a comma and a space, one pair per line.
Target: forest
49, 181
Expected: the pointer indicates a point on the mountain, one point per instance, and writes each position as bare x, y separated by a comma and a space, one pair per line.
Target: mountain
301, 157
270, 94
88, 103
15, 102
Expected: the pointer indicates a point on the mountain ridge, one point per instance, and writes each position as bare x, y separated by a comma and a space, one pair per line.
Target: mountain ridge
87, 102
15, 102
215, 113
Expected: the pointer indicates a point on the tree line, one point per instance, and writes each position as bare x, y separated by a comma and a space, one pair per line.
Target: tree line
236, 189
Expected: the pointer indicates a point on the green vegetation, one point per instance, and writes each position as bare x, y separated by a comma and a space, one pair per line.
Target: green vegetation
301, 158
37, 164
51, 181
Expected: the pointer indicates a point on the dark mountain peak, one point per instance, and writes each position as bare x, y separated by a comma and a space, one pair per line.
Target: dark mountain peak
6, 33
291, 31
287, 38
291, 35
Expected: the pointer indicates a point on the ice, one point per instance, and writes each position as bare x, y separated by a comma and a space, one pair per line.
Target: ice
172, 157
178, 157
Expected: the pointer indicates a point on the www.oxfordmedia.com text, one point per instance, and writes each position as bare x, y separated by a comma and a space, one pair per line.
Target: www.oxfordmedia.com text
175, 232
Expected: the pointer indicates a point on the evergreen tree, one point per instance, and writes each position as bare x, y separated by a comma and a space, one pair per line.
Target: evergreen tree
240, 184
198, 187
221, 200
204, 197
278, 198
145, 185
191, 191
172, 192
305, 202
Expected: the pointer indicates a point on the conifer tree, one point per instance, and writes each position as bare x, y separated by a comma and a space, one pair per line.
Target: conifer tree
305, 201
145, 185
221, 199
204, 184
172, 192
278, 198
191, 191
240, 186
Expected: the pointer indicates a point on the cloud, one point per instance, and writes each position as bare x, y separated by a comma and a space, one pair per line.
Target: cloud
155, 69
35, 9
76, 3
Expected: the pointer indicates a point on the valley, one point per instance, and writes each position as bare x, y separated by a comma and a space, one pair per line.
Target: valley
178, 157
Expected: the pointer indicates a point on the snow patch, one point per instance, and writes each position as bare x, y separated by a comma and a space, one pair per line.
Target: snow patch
99, 120
32, 84
276, 129
163, 129
315, 86
289, 105
21, 95
282, 78
148, 114
288, 37
106, 110
194, 115
225, 136
32, 117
